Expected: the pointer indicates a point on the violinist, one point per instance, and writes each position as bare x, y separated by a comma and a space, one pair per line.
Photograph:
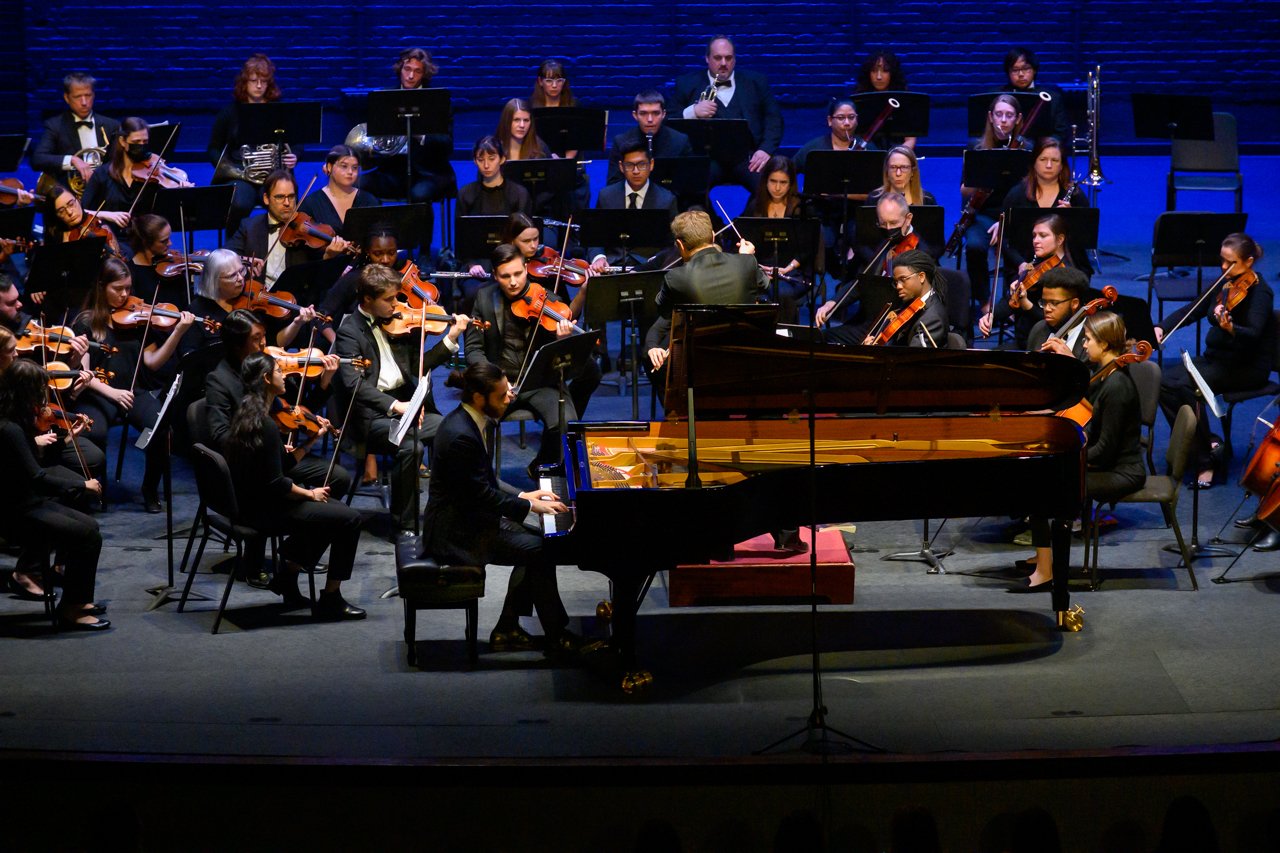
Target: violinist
708, 276
330, 204
525, 236
882, 71
70, 220
777, 197
312, 518
902, 175
1238, 348
636, 192
1114, 449
381, 246
510, 337
433, 175
76, 132
1061, 290
254, 84
152, 240
258, 236
1049, 247
34, 504
1003, 119
650, 113
113, 188
133, 391
388, 385
1046, 187
1021, 68
914, 273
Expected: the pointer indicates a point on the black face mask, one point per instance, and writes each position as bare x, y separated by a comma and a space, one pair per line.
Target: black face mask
138, 152
890, 233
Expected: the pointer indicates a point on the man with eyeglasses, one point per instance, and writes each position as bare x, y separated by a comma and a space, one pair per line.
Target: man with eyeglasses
1061, 290
913, 276
659, 140
637, 192
1021, 66
258, 236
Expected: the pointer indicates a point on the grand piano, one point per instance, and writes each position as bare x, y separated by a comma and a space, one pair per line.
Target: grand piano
896, 433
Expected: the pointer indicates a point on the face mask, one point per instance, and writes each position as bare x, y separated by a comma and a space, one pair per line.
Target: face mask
890, 233
138, 151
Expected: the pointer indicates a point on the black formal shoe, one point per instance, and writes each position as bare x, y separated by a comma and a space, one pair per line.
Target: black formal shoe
1246, 523
99, 625
21, 592
151, 503
402, 536
1269, 542
285, 585
515, 639
332, 607
566, 647
1043, 586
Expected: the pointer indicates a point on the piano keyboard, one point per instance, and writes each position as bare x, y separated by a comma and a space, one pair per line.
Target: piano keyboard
561, 523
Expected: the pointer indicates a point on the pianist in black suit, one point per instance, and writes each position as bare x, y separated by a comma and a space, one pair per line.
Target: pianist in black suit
659, 140
1061, 291
66, 135
735, 95
384, 393
472, 519
637, 192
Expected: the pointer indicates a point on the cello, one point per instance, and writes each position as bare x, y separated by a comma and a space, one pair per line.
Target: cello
1082, 412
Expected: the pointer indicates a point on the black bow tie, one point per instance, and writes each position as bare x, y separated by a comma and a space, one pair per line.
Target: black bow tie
723, 84
84, 124
273, 227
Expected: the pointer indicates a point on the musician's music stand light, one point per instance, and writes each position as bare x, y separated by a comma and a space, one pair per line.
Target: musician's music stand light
979, 105
580, 129
410, 113
629, 296
911, 118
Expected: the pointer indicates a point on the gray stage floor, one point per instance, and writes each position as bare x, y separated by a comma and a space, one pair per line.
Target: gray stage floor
921, 664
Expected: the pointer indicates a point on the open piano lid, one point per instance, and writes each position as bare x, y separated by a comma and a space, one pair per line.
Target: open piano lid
739, 366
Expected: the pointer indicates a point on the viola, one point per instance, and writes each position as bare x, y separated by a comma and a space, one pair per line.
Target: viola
310, 363
1082, 412
92, 226
548, 263
278, 304
1261, 477
56, 339
163, 315
1236, 289
431, 317
62, 377
415, 289
1032, 277
9, 190
895, 321
299, 419
538, 305
156, 171
302, 230
49, 417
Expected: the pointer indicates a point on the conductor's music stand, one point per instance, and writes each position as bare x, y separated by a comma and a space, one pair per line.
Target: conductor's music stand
560, 360
926, 220
625, 229
13, 146
631, 297
1185, 238
580, 129
980, 104
910, 118
410, 113
1159, 116
687, 178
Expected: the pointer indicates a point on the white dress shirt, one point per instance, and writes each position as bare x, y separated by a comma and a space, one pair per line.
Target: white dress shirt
724, 94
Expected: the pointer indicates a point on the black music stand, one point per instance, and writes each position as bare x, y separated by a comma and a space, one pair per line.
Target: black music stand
728, 141
627, 296
572, 128
926, 220
1190, 239
163, 137
64, 272
408, 221
625, 229
310, 281
1081, 222
1213, 403
410, 113
790, 238
1172, 116
289, 123
478, 235
559, 361
840, 174
979, 105
549, 176
17, 223
13, 146
687, 178
192, 209
911, 118
996, 169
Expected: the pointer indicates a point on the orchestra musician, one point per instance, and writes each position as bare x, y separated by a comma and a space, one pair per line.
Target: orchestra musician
132, 391
472, 519
636, 192
521, 232
112, 189
1238, 348
510, 338
69, 217
151, 238
491, 194
70, 134
35, 509
1048, 185
381, 246
383, 395
340, 193
433, 175
312, 522
882, 71
902, 175
1114, 449
733, 94
650, 113
1003, 119
1021, 68
777, 196
842, 121
517, 135
551, 89
255, 84
708, 276
258, 236
1049, 246
914, 274
1061, 290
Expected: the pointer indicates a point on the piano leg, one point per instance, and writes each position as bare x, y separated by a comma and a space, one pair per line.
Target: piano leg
1068, 619
629, 591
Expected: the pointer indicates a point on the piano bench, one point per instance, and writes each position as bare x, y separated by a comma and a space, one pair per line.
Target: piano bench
427, 585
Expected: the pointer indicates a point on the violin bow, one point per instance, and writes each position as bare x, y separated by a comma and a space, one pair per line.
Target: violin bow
995, 274
271, 247
142, 347
853, 285
1195, 306
186, 267
302, 378
568, 229
337, 444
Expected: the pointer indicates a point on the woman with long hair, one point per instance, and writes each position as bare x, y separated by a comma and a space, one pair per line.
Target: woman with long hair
901, 175
1048, 246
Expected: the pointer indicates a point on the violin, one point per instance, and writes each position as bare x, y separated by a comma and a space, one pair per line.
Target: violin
49, 417
894, 321
1236, 289
302, 230
1082, 412
538, 305
163, 315
1032, 277
415, 289
174, 263
299, 419
431, 317
56, 339
1106, 300
10, 189
310, 363
62, 377
278, 304
548, 263
92, 226
156, 171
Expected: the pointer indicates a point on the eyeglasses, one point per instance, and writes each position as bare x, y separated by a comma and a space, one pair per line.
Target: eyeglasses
906, 168
1052, 303
904, 279
284, 198
64, 207
552, 79
635, 167
1022, 69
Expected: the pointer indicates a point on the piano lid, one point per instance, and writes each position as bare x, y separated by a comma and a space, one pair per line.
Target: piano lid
738, 365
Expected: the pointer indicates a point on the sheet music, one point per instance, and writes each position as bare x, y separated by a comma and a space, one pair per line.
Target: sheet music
410, 416
1212, 400
145, 438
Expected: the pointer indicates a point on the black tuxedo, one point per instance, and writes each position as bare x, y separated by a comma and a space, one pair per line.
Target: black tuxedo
253, 239
708, 278
614, 197
752, 101
1041, 332
667, 142
61, 137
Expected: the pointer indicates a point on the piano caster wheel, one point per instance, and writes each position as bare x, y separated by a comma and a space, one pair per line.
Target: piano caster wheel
604, 611
633, 682
1071, 620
